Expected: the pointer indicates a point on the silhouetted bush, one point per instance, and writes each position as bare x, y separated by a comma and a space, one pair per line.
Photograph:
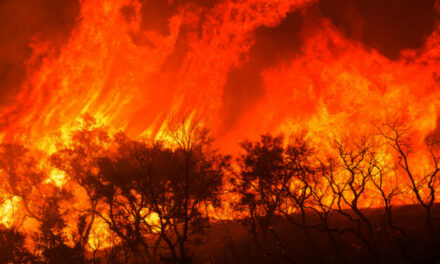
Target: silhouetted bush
292, 204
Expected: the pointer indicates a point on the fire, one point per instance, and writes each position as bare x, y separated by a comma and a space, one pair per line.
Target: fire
8, 211
93, 73
106, 70
57, 177
139, 80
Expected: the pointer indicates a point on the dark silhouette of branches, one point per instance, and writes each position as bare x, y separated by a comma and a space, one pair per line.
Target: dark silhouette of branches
79, 162
156, 195
12, 247
153, 200
422, 185
262, 168
20, 176
275, 181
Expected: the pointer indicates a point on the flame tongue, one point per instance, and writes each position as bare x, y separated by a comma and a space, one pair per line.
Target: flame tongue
121, 74
226, 64
137, 80
242, 68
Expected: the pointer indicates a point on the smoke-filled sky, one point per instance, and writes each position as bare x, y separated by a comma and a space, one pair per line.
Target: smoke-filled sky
246, 40
26, 21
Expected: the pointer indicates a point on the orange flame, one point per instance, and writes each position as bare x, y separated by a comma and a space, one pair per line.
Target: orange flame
137, 80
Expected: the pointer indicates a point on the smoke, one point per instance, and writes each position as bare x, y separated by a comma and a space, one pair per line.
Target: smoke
386, 26
157, 13
26, 21
271, 45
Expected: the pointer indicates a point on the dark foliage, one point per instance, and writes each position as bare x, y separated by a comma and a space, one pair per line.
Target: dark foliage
293, 205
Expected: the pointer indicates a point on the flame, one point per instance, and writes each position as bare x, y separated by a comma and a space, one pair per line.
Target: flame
139, 81
104, 71
100, 237
56, 177
8, 210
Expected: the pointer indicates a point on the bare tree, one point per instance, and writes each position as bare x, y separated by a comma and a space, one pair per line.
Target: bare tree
351, 185
422, 185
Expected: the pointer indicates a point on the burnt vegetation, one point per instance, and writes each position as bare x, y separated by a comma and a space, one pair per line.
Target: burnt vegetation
181, 201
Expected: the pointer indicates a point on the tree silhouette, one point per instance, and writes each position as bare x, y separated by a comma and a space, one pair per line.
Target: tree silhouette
156, 196
12, 247
51, 240
262, 169
20, 177
275, 181
79, 162
423, 186
298, 204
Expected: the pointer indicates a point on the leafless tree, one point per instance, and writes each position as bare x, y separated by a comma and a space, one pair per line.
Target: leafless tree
424, 185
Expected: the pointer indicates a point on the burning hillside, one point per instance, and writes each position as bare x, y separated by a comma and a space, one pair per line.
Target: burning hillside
122, 122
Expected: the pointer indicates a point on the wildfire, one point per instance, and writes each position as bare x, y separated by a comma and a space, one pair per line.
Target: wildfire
123, 76
57, 177
8, 210
211, 62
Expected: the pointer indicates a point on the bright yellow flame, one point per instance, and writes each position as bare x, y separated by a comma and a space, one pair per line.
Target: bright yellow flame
7, 211
100, 237
56, 177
